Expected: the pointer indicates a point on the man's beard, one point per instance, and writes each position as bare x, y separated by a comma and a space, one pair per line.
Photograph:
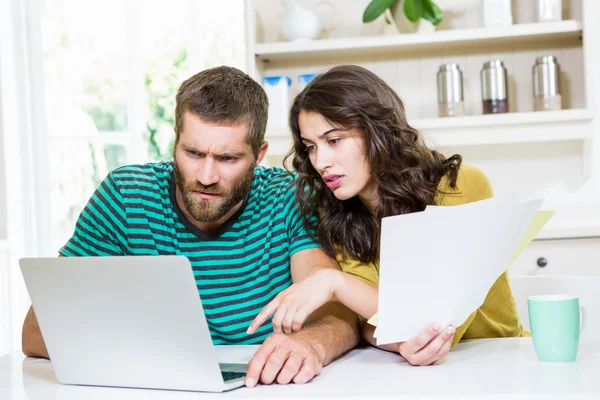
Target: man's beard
203, 210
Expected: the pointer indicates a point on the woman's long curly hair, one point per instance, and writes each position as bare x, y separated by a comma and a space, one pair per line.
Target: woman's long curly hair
406, 171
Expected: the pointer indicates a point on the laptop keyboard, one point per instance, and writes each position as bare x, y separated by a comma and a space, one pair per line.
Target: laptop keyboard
229, 375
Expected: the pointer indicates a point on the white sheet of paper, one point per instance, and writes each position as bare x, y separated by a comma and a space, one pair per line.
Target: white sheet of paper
438, 265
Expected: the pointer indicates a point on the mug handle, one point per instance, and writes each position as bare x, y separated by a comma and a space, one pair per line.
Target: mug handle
582, 318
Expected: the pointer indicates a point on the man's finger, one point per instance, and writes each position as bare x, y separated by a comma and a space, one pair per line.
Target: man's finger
263, 315
290, 369
274, 364
310, 368
258, 361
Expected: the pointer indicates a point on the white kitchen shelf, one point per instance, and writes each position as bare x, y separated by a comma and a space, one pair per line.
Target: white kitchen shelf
479, 130
507, 119
539, 33
508, 128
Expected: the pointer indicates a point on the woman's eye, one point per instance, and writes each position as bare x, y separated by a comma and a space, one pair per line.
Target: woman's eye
335, 141
310, 148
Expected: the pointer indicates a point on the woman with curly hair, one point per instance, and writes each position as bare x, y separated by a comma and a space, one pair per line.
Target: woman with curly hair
358, 161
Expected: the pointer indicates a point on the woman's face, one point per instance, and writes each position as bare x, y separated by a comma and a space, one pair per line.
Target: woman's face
339, 156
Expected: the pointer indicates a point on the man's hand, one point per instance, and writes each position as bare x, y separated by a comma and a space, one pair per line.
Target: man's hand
427, 348
283, 359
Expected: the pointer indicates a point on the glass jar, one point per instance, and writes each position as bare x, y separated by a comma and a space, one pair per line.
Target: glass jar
494, 92
546, 84
450, 91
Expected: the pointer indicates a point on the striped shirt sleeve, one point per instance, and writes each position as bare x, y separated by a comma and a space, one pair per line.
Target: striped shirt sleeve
100, 229
299, 238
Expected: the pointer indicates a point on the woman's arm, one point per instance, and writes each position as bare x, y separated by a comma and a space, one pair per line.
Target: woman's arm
356, 294
367, 331
292, 306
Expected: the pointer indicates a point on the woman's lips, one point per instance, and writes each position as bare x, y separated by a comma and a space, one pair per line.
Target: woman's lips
333, 181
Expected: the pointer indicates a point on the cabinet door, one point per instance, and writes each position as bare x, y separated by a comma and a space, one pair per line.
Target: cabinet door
559, 257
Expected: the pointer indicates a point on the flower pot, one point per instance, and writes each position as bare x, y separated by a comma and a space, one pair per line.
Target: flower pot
404, 25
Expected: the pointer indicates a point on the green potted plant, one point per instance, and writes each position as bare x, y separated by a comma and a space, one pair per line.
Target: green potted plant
410, 16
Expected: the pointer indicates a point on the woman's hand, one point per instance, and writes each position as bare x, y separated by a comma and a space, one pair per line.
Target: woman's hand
293, 305
427, 348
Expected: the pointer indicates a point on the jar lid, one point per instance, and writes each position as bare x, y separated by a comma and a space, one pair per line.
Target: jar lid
493, 64
549, 59
449, 67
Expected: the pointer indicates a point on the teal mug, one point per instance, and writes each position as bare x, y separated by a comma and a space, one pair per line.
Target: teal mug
555, 322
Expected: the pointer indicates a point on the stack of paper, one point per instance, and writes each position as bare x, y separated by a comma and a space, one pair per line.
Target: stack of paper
438, 265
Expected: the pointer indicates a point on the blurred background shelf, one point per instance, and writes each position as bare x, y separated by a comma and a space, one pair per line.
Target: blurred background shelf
478, 130
540, 33
507, 119
510, 128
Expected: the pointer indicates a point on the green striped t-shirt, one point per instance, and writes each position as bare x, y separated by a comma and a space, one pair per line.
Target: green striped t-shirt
239, 268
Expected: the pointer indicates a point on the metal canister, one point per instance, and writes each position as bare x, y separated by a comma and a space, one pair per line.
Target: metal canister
546, 84
494, 91
450, 90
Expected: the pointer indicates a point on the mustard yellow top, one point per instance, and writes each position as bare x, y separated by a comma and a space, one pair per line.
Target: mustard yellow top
498, 315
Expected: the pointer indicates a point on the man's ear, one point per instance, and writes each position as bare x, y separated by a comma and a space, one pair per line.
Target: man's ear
262, 152
176, 137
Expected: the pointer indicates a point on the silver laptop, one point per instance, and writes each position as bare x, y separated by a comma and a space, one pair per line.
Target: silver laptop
133, 321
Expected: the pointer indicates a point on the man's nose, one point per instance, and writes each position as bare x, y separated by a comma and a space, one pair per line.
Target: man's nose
209, 172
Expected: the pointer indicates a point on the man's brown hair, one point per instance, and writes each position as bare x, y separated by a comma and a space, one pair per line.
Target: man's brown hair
224, 95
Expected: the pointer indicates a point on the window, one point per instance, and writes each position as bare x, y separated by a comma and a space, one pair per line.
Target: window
111, 72
84, 88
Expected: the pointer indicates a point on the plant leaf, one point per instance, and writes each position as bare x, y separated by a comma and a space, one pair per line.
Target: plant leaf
375, 9
413, 9
431, 12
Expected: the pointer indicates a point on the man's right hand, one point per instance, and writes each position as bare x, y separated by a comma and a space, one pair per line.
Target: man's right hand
283, 359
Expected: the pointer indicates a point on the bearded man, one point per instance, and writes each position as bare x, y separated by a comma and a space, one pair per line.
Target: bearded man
237, 223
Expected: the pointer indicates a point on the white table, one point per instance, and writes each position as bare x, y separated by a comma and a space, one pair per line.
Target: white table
491, 368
